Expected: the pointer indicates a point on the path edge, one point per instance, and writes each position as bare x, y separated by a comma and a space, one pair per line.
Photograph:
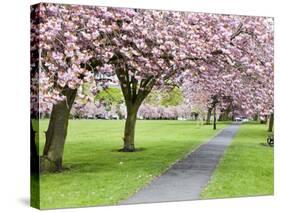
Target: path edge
170, 166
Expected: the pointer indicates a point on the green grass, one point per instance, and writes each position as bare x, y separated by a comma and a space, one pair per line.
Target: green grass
98, 174
247, 167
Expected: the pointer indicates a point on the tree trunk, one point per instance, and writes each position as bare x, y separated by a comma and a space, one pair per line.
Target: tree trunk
224, 116
215, 119
264, 121
51, 161
134, 93
196, 116
34, 160
130, 125
208, 119
271, 122
256, 117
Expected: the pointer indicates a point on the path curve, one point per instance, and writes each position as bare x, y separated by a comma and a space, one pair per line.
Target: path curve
186, 179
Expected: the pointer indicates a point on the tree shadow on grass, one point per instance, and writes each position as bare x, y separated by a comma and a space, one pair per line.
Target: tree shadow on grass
136, 150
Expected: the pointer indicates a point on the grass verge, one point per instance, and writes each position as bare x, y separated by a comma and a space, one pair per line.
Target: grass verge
247, 167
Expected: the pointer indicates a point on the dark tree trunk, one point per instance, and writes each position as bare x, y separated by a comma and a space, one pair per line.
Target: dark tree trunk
256, 117
264, 121
224, 115
51, 161
215, 119
271, 122
34, 162
209, 114
129, 132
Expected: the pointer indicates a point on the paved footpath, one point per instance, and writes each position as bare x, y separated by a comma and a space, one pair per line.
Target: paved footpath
187, 178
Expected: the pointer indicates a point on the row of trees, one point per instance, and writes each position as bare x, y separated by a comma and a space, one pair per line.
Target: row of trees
217, 60
160, 104
146, 111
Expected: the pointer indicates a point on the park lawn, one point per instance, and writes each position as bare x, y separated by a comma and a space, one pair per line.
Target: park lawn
97, 174
247, 167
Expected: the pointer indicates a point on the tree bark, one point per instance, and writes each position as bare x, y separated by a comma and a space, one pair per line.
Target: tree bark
271, 122
134, 93
215, 119
34, 162
51, 161
208, 119
129, 132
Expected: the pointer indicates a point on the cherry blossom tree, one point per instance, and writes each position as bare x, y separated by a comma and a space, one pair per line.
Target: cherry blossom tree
71, 45
243, 74
156, 48
66, 52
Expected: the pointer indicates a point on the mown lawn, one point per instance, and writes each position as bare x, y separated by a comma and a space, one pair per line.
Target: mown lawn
97, 174
247, 167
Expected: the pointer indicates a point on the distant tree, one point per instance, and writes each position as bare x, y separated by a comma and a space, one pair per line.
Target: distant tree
172, 97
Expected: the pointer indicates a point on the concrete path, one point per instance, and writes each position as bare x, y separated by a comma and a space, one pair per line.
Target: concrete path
186, 179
